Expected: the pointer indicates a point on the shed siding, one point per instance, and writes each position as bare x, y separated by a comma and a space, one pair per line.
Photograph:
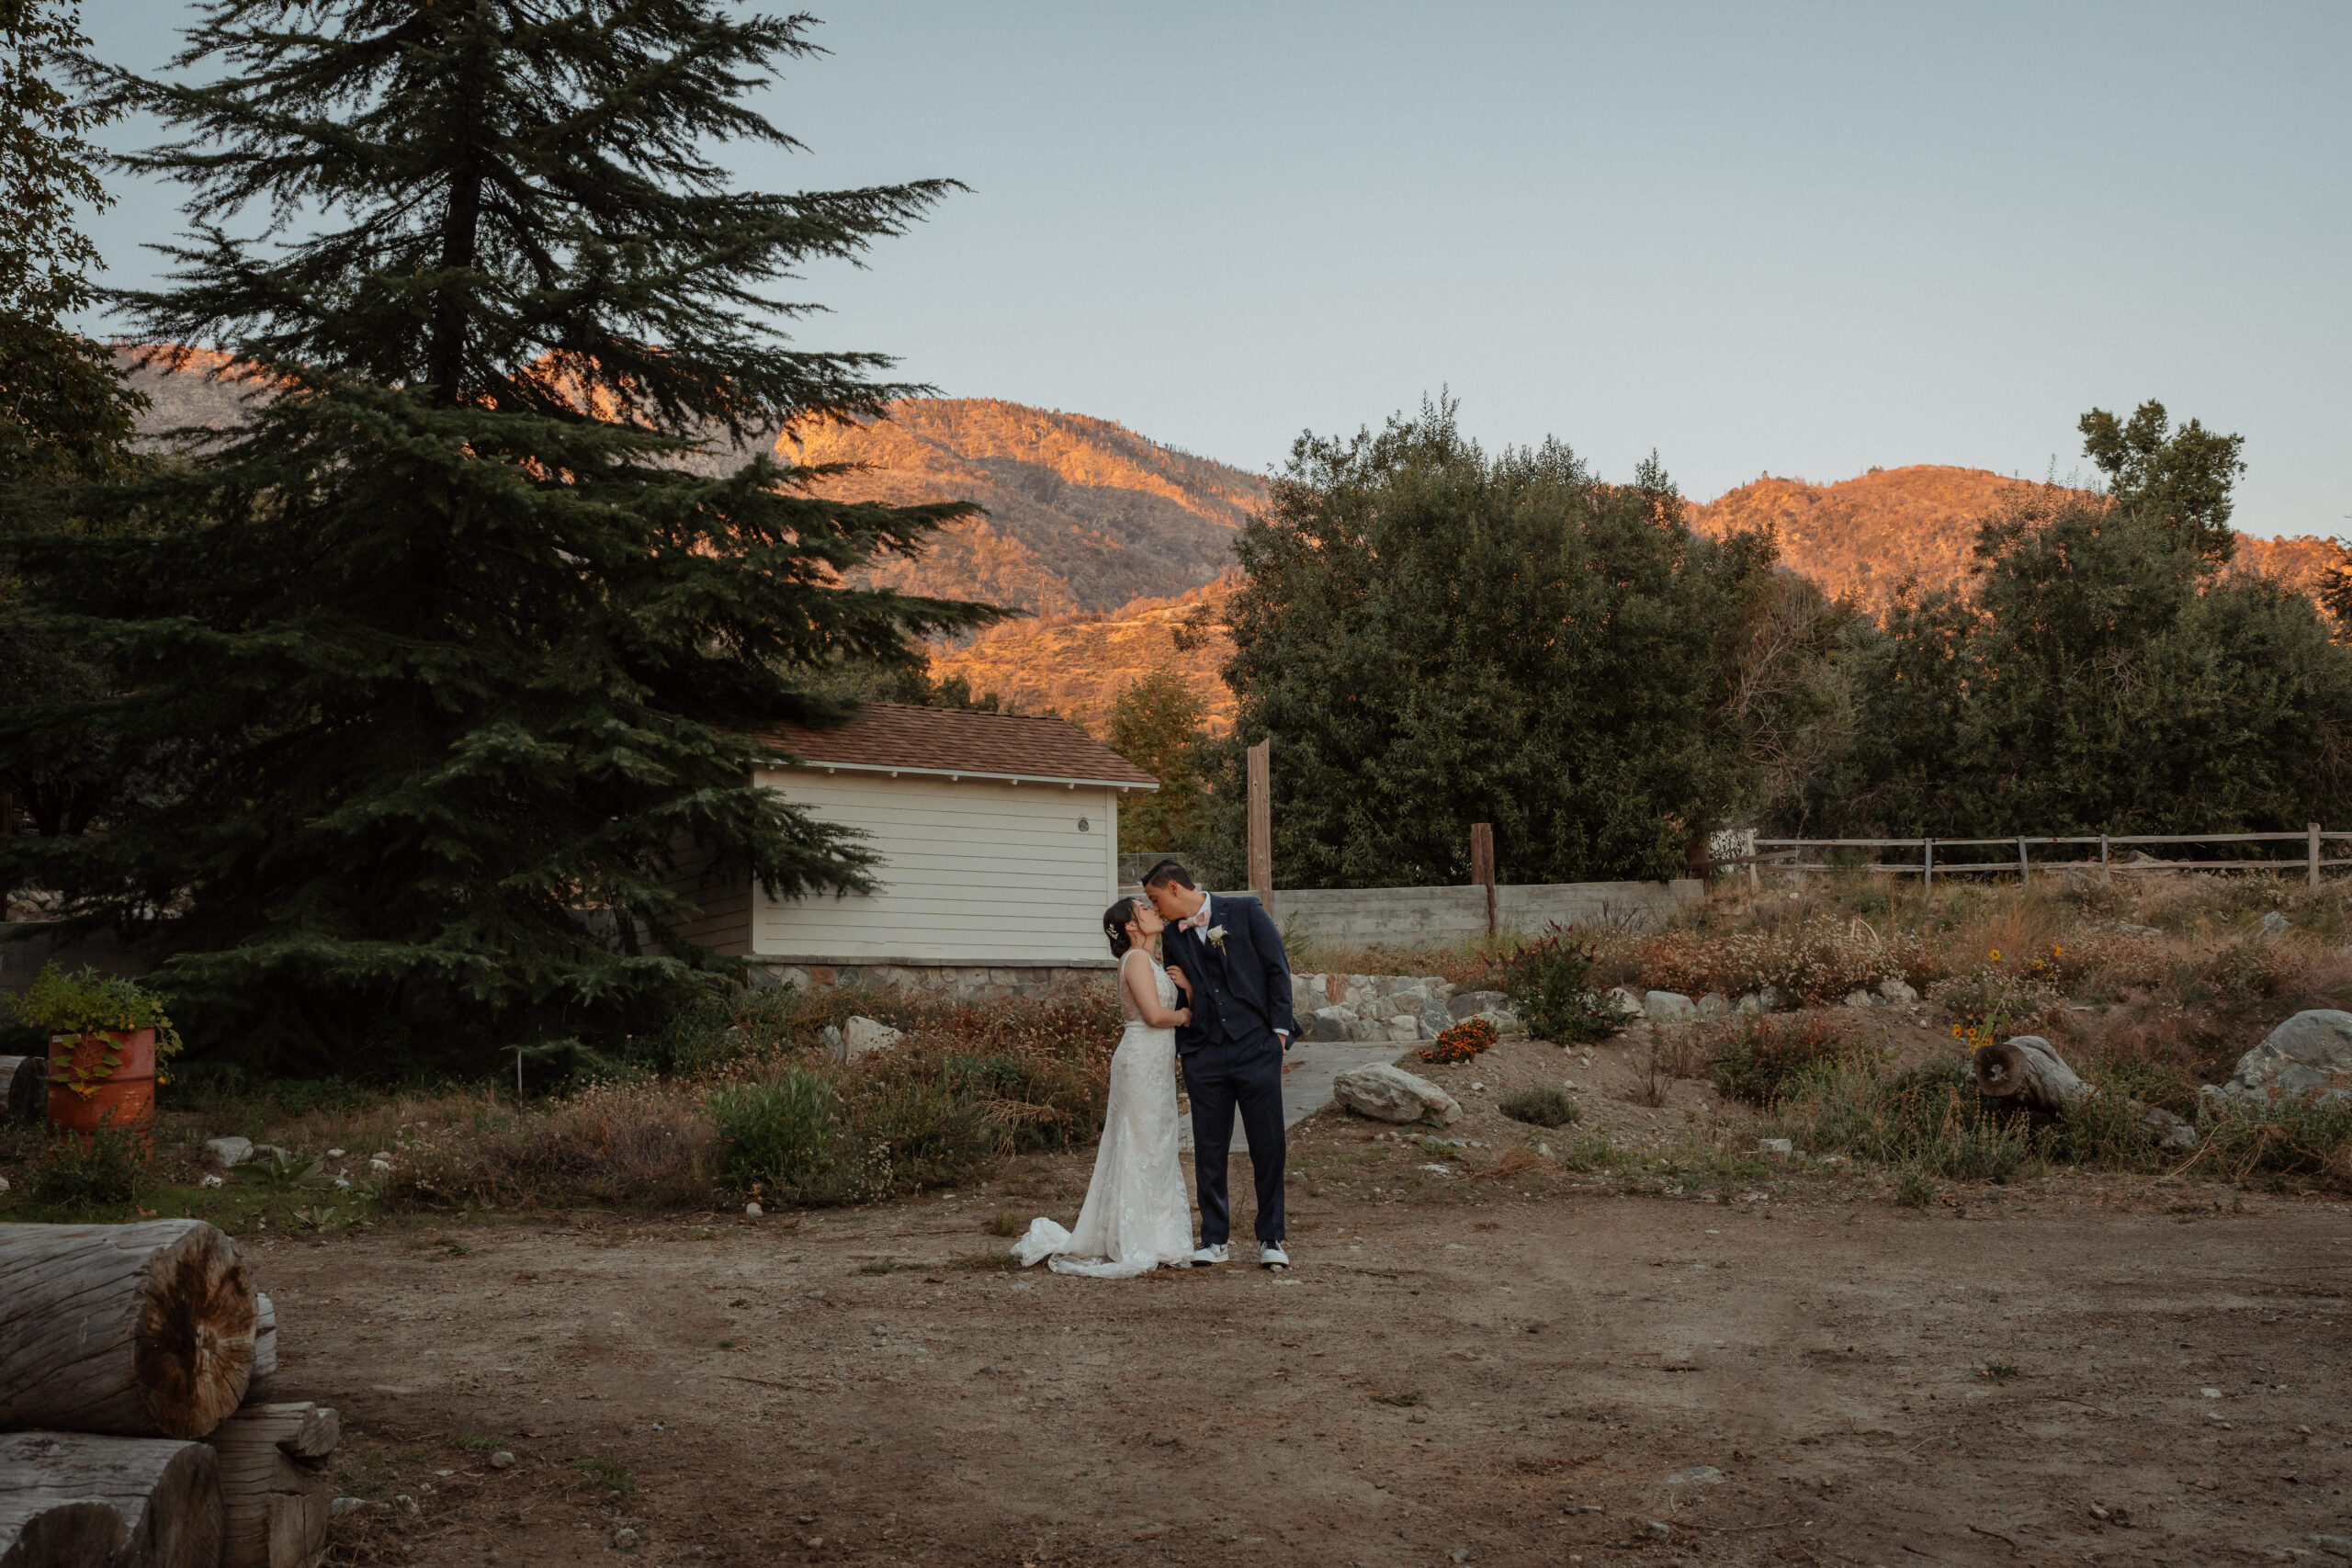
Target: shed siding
972, 872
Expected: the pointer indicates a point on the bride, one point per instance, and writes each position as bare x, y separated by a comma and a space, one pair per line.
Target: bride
1136, 1216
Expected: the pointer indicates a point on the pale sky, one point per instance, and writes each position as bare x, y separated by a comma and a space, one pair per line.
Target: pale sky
1801, 239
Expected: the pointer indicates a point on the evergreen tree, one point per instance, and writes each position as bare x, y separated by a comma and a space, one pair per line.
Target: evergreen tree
1433, 638
64, 407
471, 629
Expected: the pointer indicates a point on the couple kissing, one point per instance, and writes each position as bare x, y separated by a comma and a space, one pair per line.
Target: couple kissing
1216, 996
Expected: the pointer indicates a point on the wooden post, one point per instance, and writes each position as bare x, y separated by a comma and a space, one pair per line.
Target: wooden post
1262, 819
1927, 865
2024, 874
1482, 866
2313, 854
1748, 848
2106, 877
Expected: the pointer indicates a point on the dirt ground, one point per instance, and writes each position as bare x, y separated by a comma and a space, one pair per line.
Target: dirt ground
1527, 1366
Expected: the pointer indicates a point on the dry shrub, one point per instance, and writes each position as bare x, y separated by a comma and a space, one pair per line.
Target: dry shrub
1762, 1054
1513, 1163
649, 1144
1811, 965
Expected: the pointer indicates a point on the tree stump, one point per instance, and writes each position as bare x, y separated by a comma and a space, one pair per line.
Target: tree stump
67, 1499
274, 1486
2029, 1071
264, 1374
138, 1331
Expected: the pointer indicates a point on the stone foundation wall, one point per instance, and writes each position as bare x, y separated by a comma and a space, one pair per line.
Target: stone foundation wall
957, 982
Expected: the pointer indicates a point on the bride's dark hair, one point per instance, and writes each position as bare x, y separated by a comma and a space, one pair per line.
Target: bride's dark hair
1114, 926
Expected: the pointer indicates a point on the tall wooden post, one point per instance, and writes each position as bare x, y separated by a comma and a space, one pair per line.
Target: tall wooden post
1262, 819
1748, 848
1482, 866
2025, 878
2313, 853
1927, 864
2106, 876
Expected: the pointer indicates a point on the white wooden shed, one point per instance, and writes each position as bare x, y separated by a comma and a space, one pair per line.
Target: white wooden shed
999, 837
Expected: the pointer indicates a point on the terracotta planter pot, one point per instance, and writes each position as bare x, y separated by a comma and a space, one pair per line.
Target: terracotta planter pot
124, 1100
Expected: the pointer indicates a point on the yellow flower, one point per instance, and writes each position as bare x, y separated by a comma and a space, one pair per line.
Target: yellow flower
1997, 955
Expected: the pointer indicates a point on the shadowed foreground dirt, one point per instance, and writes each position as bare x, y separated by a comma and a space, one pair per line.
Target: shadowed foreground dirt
1463, 1375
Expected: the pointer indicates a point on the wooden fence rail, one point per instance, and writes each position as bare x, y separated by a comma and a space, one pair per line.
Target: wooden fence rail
1788, 854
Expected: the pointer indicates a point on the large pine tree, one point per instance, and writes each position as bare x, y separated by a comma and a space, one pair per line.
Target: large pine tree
461, 636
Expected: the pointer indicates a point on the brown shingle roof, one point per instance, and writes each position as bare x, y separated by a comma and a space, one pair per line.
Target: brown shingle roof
956, 741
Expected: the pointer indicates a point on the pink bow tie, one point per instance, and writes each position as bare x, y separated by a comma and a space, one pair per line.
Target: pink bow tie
1194, 921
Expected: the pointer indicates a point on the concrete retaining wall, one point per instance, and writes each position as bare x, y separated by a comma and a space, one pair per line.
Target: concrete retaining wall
1375, 917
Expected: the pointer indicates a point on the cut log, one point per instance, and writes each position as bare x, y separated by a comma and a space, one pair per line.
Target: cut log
2028, 1071
137, 1331
273, 1486
69, 1499
23, 1089
264, 1350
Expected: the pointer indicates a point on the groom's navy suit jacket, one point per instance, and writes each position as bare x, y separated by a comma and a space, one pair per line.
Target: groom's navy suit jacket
1241, 993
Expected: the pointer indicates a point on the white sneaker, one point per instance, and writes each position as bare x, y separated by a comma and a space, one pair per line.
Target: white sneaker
1271, 1256
1208, 1254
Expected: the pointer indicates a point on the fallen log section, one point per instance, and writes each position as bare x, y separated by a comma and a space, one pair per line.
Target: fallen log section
69, 1499
274, 1486
2028, 1071
23, 1089
140, 1331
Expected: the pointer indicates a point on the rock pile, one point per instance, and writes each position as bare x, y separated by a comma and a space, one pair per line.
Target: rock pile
1383, 1008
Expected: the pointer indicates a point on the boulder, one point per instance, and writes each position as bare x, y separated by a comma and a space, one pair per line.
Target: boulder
1503, 1020
1436, 1018
1627, 1006
230, 1151
2274, 924
1769, 998
1750, 1004
1392, 1094
2309, 1053
862, 1035
1326, 1024
1861, 1000
1469, 1004
1668, 1005
1897, 992
1715, 1004
1408, 1027
2165, 1130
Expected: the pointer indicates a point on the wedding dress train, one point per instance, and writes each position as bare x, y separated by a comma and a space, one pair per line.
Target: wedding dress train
1137, 1215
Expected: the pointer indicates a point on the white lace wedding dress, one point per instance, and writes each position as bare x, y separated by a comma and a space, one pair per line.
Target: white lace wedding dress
1137, 1215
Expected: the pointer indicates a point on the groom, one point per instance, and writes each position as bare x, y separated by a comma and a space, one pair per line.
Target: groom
1232, 1050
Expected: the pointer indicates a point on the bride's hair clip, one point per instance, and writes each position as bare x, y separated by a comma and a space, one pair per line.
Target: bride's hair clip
1114, 926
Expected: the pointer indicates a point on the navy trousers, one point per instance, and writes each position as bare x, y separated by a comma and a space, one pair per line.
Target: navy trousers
1220, 1078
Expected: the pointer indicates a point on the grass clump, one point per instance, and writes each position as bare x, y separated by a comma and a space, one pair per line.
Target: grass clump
1928, 1120
1004, 1222
1913, 1188
1759, 1060
2303, 1137
1542, 1106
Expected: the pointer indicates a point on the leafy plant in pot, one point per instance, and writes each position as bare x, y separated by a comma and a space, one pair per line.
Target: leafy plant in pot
107, 1039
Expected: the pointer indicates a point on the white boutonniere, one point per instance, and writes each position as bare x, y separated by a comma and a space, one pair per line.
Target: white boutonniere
1215, 936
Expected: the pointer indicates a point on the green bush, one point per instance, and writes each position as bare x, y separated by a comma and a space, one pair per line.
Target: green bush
777, 1136
1543, 1106
1549, 982
105, 1170
1913, 1190
922, 1131
1759, 1060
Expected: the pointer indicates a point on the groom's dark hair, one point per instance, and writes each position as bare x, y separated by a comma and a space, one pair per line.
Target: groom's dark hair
1168, 871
